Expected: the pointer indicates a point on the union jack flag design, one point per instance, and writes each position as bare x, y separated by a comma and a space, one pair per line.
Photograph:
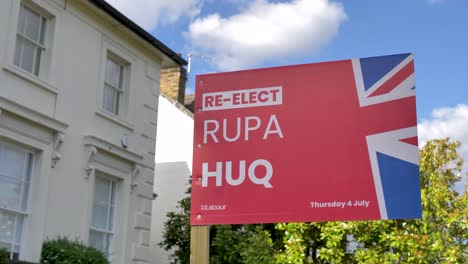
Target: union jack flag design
393, 154
339, 138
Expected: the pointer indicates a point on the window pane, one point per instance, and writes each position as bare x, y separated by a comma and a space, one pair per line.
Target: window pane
100, 215
24, 197
27, 58
96, 240
32, 24
43, 30
103, 214
109, 98
7, 227
18, 50
121, 76
10, 191
21, 20
12, 161
15, 168
112, 199
29, 164
27, 180
99, 241
113, 73
117, 102
107, 240
111, 218
19, 229
102, 190
37, 61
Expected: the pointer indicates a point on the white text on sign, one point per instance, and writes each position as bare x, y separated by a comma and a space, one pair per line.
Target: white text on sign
216, 131
249, 124
242, 98
254, 178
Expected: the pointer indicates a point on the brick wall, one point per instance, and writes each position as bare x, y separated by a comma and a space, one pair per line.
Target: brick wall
173, 83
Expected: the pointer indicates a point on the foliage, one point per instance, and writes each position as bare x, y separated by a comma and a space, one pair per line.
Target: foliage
441, 236
239, 244
4, 256
63, 250
177, 232
294, 240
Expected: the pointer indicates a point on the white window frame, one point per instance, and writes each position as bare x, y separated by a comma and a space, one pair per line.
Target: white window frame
118, 53
119, 90
111, 214
34, 138
28, 173
53, 13
39, 44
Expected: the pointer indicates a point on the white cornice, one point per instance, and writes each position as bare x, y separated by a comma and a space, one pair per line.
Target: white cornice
32, 115
106, 146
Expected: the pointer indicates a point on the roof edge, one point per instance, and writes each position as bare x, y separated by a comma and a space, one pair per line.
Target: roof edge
178, 105
114, 13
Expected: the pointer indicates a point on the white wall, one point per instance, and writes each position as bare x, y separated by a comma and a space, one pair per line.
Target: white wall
66, 100
174, 134
173, 169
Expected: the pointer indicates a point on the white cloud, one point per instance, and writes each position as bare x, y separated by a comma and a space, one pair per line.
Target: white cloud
148, 13
265, 30
448, 122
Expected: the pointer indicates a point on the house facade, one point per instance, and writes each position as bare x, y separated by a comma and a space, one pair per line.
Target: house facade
79, 88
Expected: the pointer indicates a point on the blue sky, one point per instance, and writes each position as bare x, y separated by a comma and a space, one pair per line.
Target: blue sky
436, 33
241, 34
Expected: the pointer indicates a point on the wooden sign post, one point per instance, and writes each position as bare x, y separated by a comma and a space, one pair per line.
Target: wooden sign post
199, 244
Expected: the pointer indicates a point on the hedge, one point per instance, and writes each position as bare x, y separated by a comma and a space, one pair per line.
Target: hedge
63, 250
4, 256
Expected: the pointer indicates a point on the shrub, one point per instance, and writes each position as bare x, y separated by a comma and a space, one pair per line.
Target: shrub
63, 250
4, 256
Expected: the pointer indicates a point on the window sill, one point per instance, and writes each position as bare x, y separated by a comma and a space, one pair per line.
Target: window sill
11, 211
115, 119
30, 78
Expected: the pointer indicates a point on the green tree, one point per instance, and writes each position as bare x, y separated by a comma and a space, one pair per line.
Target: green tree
234, 244
237, 244
176, 234
441, 236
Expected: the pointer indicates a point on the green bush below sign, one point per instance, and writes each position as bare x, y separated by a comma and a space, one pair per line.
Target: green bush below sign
63, 250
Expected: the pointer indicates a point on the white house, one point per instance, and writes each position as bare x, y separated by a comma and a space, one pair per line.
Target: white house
79, 88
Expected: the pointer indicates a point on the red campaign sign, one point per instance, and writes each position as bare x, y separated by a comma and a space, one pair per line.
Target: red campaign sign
315, 142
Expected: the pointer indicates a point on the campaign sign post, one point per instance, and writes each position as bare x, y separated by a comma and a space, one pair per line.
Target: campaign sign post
314, 142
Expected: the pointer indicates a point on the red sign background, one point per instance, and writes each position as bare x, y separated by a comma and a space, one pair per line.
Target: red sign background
322, 159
